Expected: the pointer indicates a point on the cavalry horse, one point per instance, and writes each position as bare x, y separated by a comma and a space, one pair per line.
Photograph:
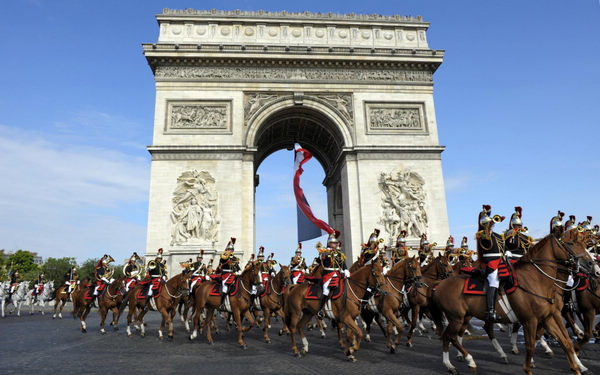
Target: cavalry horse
239, 303
588, 303
18, 297
112, 299
166, 303
3, 293
535, 301
299, 310
43, 297
62, 298
419, 297
403, 276
272, 300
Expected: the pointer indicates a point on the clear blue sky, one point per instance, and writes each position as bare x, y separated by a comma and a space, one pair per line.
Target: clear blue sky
517, 101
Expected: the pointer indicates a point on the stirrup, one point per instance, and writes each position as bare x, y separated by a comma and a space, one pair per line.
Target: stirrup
490, 316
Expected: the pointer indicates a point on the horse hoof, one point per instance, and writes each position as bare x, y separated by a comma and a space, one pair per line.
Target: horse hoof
549, 354
460, 358
268, 341
142, 335
392, 350
244, 347
473, 369
504, 360
115, 328
83, 330
303, 352
170, 337
280, 332
515, 351
351, 358
409, 344
298, 355
211, 343
453, 371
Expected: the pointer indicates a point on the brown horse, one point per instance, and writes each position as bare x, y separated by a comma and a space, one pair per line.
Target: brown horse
535, 302
111, 299
299, 310
170, 293
82, 306
316, 273
404, 275
273, 299
61, 299
588, 304
240, 303
419, 297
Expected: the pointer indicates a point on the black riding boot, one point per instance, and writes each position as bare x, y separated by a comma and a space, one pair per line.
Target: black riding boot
490, 299
322, 301
567, 299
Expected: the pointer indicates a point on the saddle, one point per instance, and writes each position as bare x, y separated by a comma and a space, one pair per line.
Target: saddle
156, 285
476, 280
315, 291
232, 290
101, 289
296, 274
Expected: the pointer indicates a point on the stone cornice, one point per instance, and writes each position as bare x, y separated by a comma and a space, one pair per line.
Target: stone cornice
284, 15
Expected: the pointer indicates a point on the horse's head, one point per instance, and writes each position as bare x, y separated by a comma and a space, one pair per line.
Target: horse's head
376, 279
443, 267
579, 258
413, 268
50, 285
286, 275
252, 276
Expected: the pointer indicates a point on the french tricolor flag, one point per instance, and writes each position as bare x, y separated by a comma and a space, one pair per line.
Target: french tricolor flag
309, 226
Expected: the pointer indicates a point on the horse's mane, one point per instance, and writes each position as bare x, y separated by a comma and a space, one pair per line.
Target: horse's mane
535, 248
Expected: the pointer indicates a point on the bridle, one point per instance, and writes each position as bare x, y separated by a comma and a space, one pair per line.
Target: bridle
442, 270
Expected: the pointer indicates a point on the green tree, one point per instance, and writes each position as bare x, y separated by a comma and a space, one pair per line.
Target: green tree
22, 260
87, 268
3, 270
55, 269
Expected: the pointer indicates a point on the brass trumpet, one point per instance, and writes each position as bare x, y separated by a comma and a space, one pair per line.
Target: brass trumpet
497, 218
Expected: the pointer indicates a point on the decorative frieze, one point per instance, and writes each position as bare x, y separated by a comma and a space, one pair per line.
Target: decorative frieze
190, 117
395, 117
286, 74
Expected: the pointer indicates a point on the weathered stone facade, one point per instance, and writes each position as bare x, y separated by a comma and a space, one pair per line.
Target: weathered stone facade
233, 87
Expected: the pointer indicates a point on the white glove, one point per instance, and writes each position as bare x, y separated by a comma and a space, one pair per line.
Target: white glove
104, 279
508, 254
238, 273
164, 278
346, 273
206, 277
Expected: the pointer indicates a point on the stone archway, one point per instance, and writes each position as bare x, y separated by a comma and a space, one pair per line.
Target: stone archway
233, 87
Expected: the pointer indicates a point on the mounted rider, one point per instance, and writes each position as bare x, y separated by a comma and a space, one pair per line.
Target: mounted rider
161, 264
449, 249
370, 249
156, 274
334, 266
490, 250
570, 224
298, 266
400, 251
102, 275
70, 277
198, 269
425, 250
228, 267
517, 241
556, 224
15, 280
38, 286
131, 271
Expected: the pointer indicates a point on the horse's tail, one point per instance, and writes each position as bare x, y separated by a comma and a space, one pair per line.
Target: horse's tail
436, 314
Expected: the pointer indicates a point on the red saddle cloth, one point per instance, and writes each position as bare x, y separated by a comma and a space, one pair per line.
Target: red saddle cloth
40, 290
476, 284
300, 279
197, 279
100, 284
216, 288
156, 288
314, 291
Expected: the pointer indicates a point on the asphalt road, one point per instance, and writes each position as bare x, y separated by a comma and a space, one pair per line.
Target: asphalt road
40, 345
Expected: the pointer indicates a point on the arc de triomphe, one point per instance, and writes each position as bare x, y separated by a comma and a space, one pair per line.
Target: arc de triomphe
232, 87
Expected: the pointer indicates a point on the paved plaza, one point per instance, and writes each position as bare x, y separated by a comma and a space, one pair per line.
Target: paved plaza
37, 344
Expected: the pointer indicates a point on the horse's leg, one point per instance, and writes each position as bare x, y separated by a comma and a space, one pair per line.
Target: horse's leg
555, 326
116, 315
322, 327
413, 323
339, 326
267, 324
539, 337
513, 337
588, 327
392, 322
237, 316
355, 332
282, 316
64, 301
55, 306
367, 319
251, 320
303, 321
209, 316
489, 329
83, 317
103, 313
129, 316
140, 320
165, 318
450, 335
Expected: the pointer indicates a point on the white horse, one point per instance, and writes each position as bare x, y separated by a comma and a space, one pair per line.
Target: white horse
3, 294
42, 298
19, 296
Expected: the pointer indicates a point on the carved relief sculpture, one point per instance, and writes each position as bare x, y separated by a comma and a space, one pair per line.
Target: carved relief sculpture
194, 214
403, 203
186, 116
394, 118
